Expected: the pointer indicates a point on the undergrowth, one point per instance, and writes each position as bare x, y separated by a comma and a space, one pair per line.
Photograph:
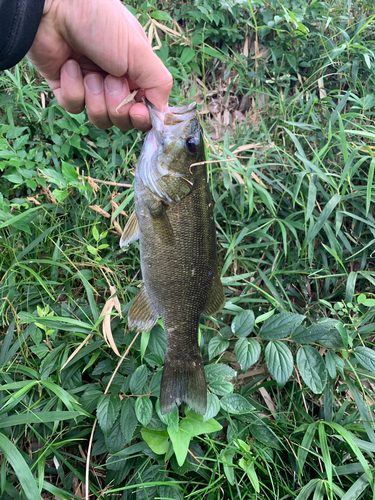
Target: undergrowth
286, 95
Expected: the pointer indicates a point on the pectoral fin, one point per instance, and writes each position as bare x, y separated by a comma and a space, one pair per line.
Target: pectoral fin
162, 226
131, 231
216, 297
142, 313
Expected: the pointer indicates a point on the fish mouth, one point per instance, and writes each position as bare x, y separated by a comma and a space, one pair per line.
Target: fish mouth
175, 116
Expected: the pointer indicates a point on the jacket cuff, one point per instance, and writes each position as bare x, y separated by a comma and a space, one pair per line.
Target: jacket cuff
19, 22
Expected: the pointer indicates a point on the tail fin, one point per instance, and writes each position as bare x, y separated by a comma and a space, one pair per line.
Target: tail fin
183, 380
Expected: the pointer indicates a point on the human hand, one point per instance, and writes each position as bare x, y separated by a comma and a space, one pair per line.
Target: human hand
94, 53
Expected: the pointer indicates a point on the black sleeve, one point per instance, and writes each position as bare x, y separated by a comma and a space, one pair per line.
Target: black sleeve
19, 21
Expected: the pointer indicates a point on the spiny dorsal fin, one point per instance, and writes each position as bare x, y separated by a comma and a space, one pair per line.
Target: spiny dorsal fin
142, 313
216, 297
131, 231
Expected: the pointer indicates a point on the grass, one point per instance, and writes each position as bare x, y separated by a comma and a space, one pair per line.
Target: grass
286, 94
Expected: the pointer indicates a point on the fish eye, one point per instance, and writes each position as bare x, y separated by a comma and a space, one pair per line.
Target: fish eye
192, 144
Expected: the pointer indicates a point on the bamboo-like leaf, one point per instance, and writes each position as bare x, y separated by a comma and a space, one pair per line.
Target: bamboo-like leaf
20, 467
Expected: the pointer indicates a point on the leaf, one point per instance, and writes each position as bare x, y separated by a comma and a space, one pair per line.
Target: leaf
158, 441
157, 343
216, 346
226, 458
243, 324
213, 406
20, 467
107, 411
312, 368
333, 362
219, 372
366, 357
70, 173
187, 55
279, 361
128, 418
138, 379
236, 404
180, 441
143, 410
160, 15
280, 326
221, 388
247, 352
331, 204
313, 332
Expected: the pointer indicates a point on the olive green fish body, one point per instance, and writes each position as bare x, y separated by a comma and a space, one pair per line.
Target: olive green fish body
176, 231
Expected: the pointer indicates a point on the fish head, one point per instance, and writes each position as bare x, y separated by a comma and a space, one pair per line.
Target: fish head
173, 144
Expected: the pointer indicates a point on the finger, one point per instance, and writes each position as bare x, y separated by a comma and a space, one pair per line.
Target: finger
71, 94
140, 117
116, 91
95, 101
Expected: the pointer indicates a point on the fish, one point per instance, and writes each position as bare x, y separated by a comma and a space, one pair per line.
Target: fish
174, 222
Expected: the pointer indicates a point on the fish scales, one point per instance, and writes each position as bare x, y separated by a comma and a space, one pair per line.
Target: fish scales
176, 230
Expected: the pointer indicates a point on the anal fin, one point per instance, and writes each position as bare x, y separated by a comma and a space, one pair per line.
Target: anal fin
216, 297
131, 231
142, 314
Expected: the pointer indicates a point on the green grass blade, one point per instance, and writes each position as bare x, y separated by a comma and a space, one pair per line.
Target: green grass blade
328, 209
357, 489
20, 467
326, 455
369, 185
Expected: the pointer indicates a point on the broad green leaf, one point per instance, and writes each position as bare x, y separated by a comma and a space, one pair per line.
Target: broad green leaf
158, 441
221, 388
219, 372
236, 404
313, 333
216, 346
107, 411
180, 441
334, 362
161, 15
263, 433
128, 418
143, 410
70, 173
247, 351
213, 406
226, 457
170, 419
197, 426
280, 326
312, 368
138, 379
366, 357
243, 324
248, 467
20, 467
187, 55
279, 361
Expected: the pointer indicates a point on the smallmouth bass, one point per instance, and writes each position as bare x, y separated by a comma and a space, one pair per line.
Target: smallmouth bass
174, 222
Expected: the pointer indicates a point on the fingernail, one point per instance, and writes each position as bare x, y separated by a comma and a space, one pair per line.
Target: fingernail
114, 85
72, 68
139, 119
94, 83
